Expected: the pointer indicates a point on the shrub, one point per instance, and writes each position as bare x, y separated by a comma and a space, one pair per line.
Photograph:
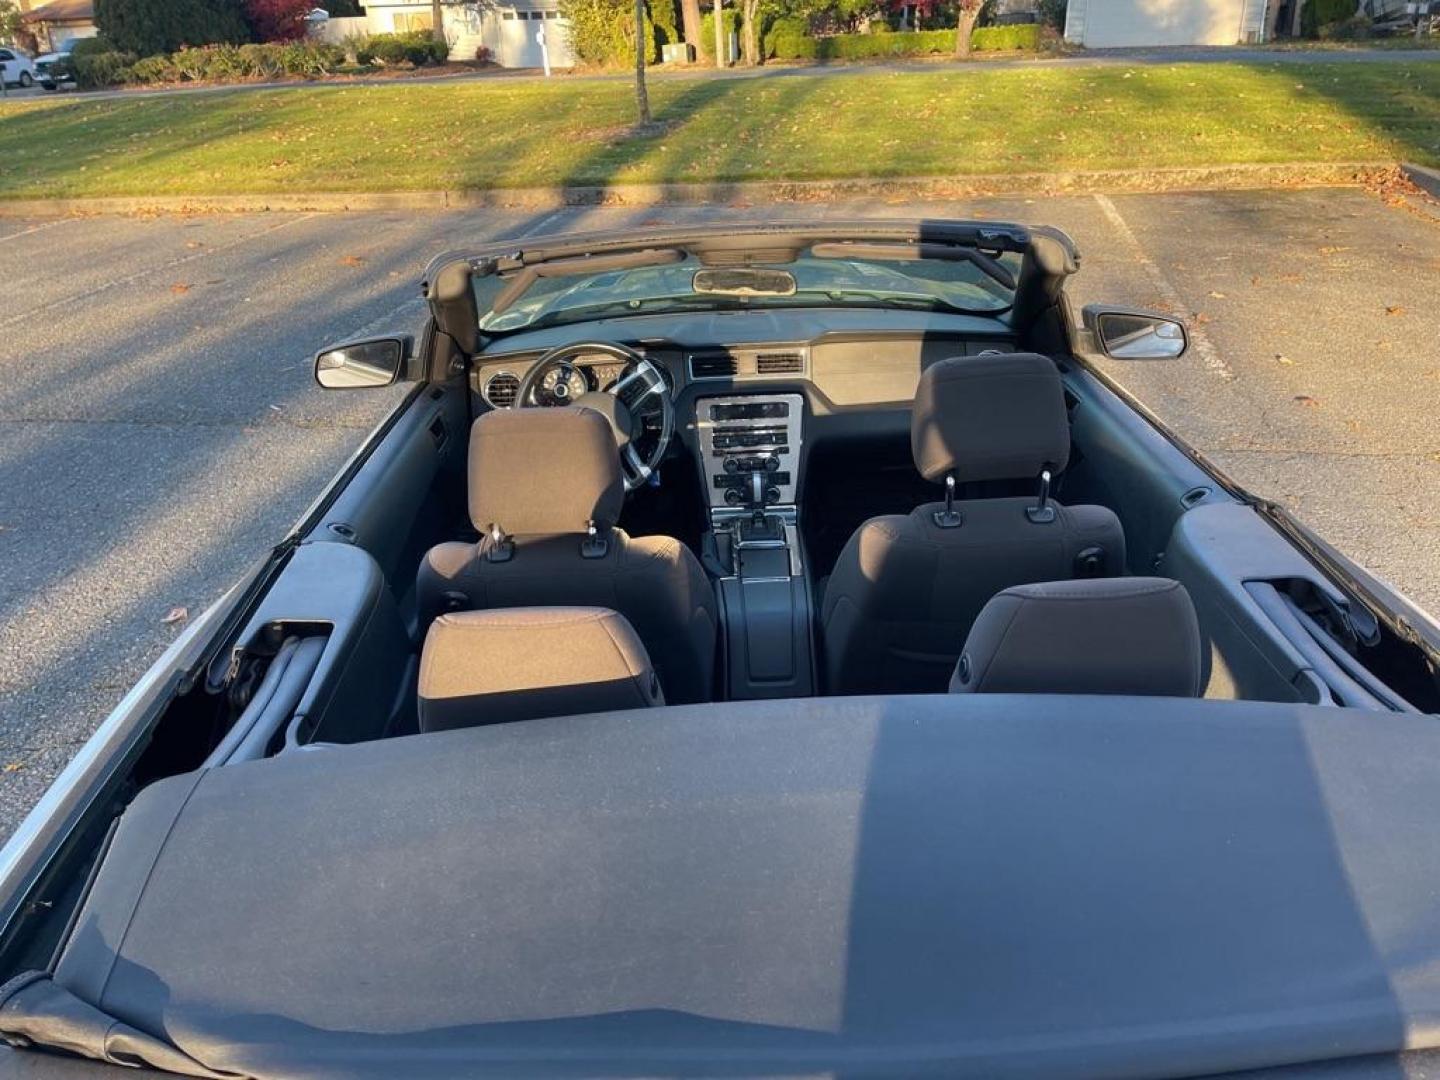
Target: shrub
417, 47
94, 70
787, 26
1321, 13
92, 46
1052, 13
730, 23
154, 69
665, 16
148, 27
602, 32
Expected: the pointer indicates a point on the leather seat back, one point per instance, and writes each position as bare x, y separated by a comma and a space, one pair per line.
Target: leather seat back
540, 481
490, 667
1134, 635
906, 588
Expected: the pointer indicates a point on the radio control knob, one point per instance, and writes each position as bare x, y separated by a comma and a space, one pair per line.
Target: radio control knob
772, 494
771, 464
732, 496
731, 465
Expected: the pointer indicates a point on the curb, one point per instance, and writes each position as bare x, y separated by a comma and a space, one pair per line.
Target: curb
1108, 181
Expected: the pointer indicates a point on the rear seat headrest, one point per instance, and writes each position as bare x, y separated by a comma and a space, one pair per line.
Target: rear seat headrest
996, 417
502, 664
1134, 635
544, 471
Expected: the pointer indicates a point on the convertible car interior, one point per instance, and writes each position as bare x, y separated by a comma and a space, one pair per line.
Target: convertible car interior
745, 589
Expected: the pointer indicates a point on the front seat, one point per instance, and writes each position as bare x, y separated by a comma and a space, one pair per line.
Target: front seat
545, 493
907, 588
1136, 635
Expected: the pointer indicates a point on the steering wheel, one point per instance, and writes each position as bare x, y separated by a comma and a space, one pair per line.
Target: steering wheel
637, 405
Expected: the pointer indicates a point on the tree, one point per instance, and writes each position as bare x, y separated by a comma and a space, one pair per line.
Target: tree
749, 23
148, 27
690, 22
10, 23
966, 13
278, 20
437, 20
642, 97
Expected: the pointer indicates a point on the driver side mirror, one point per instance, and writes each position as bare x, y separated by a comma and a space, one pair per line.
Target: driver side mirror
377, 362
1135, 335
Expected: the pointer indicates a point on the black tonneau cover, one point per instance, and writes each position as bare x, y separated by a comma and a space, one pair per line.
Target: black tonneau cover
986, 886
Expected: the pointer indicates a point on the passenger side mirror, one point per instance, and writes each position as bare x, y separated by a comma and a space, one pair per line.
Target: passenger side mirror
361, 363
1135, 335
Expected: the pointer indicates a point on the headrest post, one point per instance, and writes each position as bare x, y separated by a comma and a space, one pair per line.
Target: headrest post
1042, 513
498, 546
949, 518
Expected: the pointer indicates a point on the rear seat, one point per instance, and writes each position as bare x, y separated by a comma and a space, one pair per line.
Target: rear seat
1135, 635
503, 664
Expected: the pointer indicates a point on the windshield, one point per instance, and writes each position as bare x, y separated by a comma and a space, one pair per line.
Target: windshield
927, 284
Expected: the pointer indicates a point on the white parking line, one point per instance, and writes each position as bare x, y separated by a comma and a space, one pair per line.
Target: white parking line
1199, 342
36, 228
128, 278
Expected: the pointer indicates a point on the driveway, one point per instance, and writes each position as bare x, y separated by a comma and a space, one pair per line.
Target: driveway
159, 429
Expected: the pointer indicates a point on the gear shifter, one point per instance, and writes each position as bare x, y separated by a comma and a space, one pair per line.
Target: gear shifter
759, 526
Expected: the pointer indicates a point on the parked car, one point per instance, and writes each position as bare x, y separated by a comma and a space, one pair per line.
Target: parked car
770, 650
56, 69
16, 69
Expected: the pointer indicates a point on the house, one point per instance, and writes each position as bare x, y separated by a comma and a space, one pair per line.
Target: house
508, 31
59, 21
1109, 24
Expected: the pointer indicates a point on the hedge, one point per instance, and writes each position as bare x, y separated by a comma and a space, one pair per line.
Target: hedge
602, 32
217, 63
1319, 13
907, 43
150, 27
786, 26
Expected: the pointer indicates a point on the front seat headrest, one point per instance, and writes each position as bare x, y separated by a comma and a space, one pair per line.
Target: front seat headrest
998, 417
1135, 635
503, 664
544, 471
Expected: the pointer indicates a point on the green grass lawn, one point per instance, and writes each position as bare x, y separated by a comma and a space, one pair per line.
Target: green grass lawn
496, 134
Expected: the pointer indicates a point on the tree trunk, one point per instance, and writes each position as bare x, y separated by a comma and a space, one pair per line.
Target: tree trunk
719, 36
964, 30
437, 20
690, 18
750, 13
642, 99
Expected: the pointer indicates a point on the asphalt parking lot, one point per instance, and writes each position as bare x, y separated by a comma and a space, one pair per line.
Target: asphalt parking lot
159, 429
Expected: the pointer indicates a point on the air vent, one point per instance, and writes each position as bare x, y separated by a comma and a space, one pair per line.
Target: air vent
714, 366
501, 388
779, 363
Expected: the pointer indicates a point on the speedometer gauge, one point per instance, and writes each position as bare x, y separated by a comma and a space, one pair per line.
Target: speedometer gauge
562, 384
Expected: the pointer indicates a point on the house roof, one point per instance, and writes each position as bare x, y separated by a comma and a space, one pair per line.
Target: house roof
61, 11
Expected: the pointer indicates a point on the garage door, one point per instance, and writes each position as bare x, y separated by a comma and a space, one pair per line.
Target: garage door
519, 45
1111, 24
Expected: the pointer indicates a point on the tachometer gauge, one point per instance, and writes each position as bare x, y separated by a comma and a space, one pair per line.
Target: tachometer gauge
562, 384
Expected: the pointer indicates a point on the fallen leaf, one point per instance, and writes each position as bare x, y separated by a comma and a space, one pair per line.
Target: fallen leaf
1332, 250
1395, 310
352, 260
1255, 280
14, 766
1217, 295
1283, 359
1308, 401
176, 615
180, 287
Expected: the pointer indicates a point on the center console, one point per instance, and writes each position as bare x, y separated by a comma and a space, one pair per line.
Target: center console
750, 457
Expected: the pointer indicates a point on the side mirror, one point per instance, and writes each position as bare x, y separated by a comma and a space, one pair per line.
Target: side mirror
361, 363
1135, 335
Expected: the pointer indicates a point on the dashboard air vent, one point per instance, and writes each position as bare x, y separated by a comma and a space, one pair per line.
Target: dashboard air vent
779, 363
501, 388
714, 366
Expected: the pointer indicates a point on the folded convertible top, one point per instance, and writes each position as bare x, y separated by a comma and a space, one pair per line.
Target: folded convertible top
980, 885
